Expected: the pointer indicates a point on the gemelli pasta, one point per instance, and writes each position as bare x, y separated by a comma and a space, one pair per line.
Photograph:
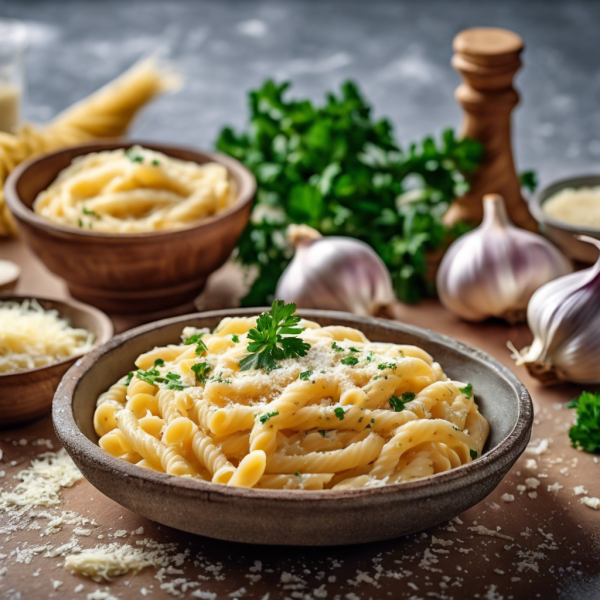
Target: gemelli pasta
134, 191
281, 403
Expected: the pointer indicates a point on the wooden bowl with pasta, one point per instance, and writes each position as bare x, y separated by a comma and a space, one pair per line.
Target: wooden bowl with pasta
359, 432
131, 236
27, 393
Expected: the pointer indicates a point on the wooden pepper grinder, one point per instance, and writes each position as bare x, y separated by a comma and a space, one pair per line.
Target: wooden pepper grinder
488, 58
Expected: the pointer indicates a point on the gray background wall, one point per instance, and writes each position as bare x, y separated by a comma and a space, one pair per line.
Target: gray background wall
398, 52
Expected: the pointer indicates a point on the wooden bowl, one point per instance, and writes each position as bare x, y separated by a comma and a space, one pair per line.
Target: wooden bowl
129, 273
27, 395
294, 517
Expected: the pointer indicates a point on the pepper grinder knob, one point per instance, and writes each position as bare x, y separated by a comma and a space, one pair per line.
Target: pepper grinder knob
487, 59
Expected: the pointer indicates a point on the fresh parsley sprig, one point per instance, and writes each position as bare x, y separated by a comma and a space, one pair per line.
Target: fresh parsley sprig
585, 434
274, 338
196, 339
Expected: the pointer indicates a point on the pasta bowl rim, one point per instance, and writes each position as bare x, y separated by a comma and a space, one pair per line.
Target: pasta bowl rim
104, 324
81, 448
245, 194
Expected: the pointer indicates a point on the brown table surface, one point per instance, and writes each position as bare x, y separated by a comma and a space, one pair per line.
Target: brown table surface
541, 545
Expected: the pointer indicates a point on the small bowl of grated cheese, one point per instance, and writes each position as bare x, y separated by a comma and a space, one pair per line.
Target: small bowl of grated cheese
40, 339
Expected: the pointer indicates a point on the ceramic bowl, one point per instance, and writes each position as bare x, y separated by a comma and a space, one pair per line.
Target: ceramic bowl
131, 273
294, 517
562, 234
27, 395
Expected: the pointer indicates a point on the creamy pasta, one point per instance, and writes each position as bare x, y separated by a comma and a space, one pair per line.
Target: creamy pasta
32, 337
134, 191
349, 413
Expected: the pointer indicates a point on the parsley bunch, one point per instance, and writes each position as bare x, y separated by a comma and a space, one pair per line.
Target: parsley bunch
585, 434
335, 168
268, 343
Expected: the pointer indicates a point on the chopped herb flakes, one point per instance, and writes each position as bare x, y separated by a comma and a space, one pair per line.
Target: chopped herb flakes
159, 362
390, 365
87, 211
339, 413
467, 391
336, 347
398, 403
323, 433
172, 381
305, 375
197, 339
155, 162
268, 344
201, 370
350, 360
298, 474
353, 349
473, 453
264, 418
235, 338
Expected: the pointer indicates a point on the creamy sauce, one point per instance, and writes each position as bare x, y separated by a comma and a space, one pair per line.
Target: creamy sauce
579, 206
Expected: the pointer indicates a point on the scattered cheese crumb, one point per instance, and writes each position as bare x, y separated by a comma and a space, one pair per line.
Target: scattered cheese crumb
531, 464
591, 502
532, 495
56, 583
532, 483
507, 498
580, 490
555, 487
481, 530
537, 446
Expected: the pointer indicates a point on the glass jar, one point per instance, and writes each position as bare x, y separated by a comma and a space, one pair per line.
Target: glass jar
13, 44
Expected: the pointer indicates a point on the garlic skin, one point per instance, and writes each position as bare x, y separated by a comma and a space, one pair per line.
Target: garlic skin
564, 318
494, 270
335, 273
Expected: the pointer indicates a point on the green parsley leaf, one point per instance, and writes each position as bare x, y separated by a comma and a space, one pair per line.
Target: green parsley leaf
389, 365
129, 377
370, 355
274, 338
298, 474
467, 391
264, 418
159, 362
339, 413
585, 434
408, 396
201, 370
350, 360
472, 453
353, 349
336, 347
398, 403
323, 433
235, 338
80, 223
87, 211
155, 162
305, 375
133, 157
196, 339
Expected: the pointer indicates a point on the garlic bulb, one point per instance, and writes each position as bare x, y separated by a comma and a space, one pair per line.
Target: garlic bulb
564, 318
334, 273
494, 270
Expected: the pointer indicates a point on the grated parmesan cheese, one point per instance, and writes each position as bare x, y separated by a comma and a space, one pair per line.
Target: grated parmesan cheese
42, 482
591, 502
32, 337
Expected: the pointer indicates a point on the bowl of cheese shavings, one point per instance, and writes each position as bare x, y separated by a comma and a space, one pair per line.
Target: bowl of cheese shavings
40, 339
319, 428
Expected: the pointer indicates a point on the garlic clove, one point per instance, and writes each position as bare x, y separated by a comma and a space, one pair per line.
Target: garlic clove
494, 270
564, 318
334, 273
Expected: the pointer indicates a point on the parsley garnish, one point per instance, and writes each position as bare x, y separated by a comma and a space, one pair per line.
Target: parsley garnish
339, 413
201, 370
336, 347
390, 365
235, 338
353, 349
398, 403
472, 453
159, 362
370, 355
264, 418
268, 345
467, 391
87, 211
129, 377
350, 360
155, 162
306, 375
298, 474
585, 434
133, 157
196, 339
152, 376
323, 433
80, 223
219, 379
